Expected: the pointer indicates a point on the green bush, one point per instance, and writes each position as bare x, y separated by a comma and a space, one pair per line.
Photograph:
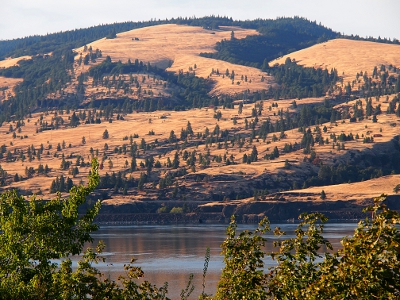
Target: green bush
176, 210
36, 233
367, 267
162, 209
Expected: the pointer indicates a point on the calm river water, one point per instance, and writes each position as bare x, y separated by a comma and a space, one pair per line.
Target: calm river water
171, 252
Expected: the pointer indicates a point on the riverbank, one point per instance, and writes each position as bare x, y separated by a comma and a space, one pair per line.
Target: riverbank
245, 211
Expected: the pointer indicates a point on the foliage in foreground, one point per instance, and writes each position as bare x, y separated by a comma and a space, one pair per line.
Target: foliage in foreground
35, 234
367, 267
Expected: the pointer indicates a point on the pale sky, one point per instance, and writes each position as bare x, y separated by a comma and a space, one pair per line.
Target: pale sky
20, 18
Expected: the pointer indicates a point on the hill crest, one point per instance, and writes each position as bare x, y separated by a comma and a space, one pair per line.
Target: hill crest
177, 48
349, 57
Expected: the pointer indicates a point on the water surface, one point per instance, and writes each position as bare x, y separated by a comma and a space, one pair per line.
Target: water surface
171, 252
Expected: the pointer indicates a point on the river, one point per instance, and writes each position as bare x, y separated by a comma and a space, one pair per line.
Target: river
171, 252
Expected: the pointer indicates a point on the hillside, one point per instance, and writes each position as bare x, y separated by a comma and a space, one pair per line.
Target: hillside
7, 84
221, 172
175, 127
51, 77
349, 57
177, 48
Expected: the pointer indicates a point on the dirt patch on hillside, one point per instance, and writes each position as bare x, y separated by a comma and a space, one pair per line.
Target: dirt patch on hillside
348, 191
7, 87
10, 62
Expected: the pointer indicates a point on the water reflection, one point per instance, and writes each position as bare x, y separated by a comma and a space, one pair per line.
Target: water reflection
171, 252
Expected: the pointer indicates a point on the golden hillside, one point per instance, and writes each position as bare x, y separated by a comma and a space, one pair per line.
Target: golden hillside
155, 128
177, 47
7, 84
349, 57
10, 62
220, 146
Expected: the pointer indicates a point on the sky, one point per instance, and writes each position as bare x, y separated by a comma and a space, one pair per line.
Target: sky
20, 18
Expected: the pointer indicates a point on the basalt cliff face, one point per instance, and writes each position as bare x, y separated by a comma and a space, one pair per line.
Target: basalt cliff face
249, 212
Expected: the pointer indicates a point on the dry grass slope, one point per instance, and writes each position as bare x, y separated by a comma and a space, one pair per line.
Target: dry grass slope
7, 84
349, 57
180, 45
162, 122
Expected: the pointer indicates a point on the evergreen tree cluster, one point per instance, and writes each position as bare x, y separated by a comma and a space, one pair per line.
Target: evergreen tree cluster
302, 82
116, 182
362, 167
61, 184
277, 38
385, 81
190, 91
41, 75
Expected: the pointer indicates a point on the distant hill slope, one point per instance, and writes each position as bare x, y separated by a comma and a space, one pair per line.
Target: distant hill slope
55, 80
177, 48
33, 45
7, 84
173, 128
233, 66
161, 44
349, 57
277, 37
349, 191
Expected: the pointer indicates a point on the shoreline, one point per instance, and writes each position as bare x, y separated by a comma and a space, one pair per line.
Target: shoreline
246, 213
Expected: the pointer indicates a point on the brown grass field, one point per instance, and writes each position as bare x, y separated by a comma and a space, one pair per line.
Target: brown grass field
10, 62
349, 57
7, 87
162, 122
350, 191
7, 84
181, 45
